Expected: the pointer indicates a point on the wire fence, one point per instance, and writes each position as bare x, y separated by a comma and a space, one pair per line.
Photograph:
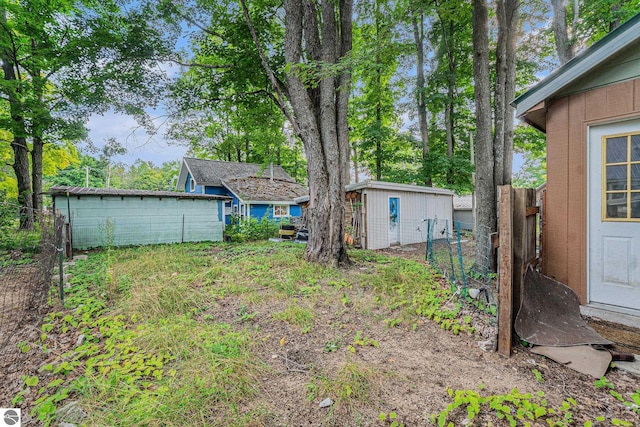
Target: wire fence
27, 260
463, 256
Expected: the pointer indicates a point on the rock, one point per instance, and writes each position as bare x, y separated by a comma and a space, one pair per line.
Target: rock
80, 340
81, 257
488, 345
71, 413
326, 403
473, 293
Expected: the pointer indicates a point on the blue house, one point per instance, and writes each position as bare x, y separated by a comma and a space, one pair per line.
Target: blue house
255, 190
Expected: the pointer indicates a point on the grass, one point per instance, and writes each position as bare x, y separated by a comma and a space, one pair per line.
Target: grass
186, 335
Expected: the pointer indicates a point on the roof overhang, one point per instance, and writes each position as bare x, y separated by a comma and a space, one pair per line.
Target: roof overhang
527, 104
117, 192
182, 177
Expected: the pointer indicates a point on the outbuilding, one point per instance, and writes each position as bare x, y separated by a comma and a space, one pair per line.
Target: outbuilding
382, 214
108, 216
590, 111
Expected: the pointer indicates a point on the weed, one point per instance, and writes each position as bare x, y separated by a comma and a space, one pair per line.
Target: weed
514, 408
351, 383
392, 323
333, 345
538, 375
244, 315
603, 383
390, 419
296, 315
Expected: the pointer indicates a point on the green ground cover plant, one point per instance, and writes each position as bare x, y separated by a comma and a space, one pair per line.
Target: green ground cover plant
219, 334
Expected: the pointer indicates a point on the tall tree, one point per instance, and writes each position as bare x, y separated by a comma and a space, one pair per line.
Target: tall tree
418, 26
505, 83
320, 116
318, 38
13, 90
63, 60
373, 107
562, 29
224, 106
485, 188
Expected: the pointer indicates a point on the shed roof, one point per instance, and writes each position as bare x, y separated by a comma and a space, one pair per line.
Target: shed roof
254, 189
87, 191
213, 172
382, 185
463, 203
529, 105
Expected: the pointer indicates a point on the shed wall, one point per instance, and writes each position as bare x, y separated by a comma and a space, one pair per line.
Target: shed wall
141, 220
565, 233
414, 209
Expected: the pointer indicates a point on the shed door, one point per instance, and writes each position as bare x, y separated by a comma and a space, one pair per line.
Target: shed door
394, 220
614, 215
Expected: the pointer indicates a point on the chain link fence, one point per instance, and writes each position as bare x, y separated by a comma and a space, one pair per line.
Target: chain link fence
27, 260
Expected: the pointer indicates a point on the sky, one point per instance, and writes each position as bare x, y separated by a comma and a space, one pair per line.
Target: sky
126, 131
138, 143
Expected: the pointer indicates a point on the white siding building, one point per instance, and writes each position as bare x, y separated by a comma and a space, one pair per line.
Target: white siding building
382, 214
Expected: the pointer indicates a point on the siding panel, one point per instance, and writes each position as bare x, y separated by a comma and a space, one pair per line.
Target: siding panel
557, 190
414, 209
596, 105
577, 198
620, 99
120, 221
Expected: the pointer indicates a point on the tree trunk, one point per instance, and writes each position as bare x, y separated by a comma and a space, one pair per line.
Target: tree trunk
485, 188
512, 13
36, 171
507, 16
421, 104
41, 121
320, 129
565, 47
19, 143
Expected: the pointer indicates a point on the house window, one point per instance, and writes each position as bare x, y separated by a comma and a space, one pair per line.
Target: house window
280, 211
621, 177
192, 185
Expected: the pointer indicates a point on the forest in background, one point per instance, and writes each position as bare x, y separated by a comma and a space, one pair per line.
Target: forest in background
411, 106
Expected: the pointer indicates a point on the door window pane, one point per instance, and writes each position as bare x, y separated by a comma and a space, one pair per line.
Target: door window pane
616, 177
635, 148
635, 205
616, 149
635, 176
621, 180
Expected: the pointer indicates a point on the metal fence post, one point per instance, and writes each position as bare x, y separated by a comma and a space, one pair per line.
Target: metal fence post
60, 250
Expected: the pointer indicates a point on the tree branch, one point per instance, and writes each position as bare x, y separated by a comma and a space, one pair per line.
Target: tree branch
272, 77
197, 64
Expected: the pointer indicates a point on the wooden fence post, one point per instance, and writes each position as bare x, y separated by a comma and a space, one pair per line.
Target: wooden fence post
505, 276
517, 229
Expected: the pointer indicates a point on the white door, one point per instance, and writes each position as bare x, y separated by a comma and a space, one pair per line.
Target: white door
394, 220
614, 216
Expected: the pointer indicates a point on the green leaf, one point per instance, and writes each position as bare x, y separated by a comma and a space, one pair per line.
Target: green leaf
32, 381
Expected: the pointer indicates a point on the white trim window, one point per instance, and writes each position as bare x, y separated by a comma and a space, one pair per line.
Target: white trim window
192, 185
280, 211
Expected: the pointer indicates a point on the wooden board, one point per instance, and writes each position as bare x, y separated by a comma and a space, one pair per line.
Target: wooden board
505, 307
